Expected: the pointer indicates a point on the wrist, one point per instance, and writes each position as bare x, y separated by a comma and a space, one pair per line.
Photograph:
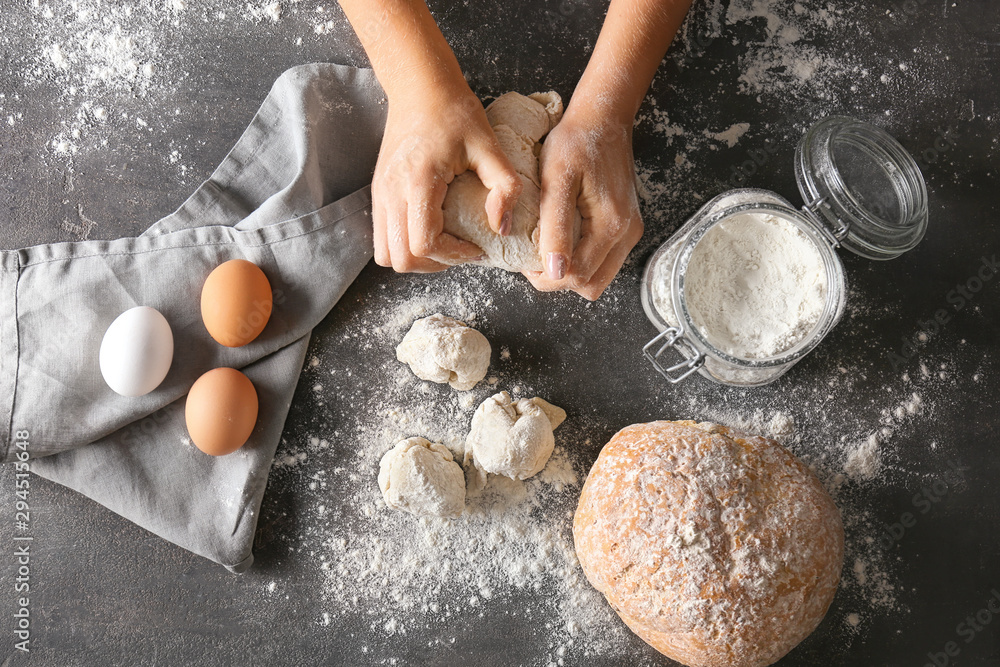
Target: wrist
599, 111
603, 98
427, 85
410, 56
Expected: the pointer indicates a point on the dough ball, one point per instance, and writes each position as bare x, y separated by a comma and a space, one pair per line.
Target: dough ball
512, 438
441, 349
519, 122
718, 548
420, 477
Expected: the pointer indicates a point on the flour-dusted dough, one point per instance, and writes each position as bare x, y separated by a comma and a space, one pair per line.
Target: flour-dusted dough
511, 438
519, 123
442, 349
421, 477
718, 548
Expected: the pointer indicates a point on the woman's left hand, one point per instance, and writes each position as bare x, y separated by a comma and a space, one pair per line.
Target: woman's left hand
586, 163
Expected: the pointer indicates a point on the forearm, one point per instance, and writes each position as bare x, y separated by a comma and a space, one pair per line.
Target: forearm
632, 43
405, 47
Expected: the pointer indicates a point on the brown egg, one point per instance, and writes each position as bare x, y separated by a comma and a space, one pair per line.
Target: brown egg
221, 411
236, 302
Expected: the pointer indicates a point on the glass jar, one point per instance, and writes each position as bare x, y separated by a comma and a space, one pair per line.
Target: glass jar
862, 190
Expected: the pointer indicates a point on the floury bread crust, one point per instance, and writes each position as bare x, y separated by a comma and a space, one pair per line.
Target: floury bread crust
716, 547
519, 122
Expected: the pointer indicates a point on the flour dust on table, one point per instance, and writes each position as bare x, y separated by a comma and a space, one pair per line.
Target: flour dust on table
513, 543
424, 575
118, 66
405, 574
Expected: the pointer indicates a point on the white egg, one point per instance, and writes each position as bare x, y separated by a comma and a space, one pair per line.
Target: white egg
136, 351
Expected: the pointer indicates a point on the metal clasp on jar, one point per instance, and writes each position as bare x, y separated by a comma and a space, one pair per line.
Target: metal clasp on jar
672, 338
821, 215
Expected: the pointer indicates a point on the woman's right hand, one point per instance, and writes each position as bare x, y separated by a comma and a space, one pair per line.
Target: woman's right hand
431, 136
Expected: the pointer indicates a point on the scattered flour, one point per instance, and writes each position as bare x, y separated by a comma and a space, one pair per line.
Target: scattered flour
788, 56
269, 10
731, 136
514, 540
864, 461
91, 45
404, 574
108, 58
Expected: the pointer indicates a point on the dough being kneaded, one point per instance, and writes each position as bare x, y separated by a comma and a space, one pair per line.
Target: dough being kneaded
421, 477
442, 349
519, 123
511, 438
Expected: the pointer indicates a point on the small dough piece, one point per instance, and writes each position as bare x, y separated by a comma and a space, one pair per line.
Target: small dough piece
717, 547
519, 122
422, 478
442, 349
511, 438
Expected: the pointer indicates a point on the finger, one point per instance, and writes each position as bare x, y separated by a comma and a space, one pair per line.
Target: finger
601, 233
611, 265
379, 236
443, 248
425, 220
402, 259
557, 220
452, 250
425, 227
396, 238
541, 282
498, 175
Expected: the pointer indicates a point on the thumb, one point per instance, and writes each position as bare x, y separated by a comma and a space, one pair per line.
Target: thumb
498, 175
557, 214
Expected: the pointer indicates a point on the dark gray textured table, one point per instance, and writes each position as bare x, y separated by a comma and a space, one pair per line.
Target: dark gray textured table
105, 592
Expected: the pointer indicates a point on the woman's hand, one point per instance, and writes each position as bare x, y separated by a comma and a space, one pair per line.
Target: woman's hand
436, 129
586, 160
586, 164
430, 137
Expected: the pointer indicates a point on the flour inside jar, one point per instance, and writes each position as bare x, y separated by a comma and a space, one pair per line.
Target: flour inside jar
755, 285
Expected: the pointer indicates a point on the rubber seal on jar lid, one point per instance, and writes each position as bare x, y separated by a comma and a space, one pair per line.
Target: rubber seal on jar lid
863, 186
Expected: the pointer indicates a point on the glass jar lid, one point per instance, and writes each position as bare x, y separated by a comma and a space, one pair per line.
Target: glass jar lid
864, 188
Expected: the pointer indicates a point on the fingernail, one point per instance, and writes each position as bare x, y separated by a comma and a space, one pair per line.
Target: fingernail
556, 266
478, 258
505, 224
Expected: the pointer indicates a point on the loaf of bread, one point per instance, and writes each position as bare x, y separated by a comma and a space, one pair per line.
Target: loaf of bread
716, 547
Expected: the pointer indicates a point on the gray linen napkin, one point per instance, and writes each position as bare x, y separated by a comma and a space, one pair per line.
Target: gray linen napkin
291, 197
